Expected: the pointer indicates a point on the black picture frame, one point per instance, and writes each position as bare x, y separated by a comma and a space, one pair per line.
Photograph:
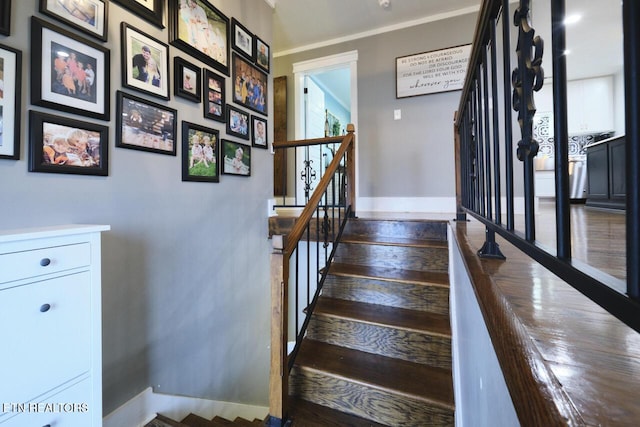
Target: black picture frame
5, 17
214, 99
259, 132
242, 40
10, 101
145, 62
63, 145
144, 125
245, 79
238, 122
88, 16
263, 55
153, 15
236, 158
54, 83
187, 80
201, 164
212, 50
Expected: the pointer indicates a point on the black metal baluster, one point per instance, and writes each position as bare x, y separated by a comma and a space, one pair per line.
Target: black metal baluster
508, 119
496, 124
486, 134
560, 130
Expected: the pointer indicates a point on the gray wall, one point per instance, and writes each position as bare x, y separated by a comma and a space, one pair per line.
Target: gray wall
185, 265
412, 157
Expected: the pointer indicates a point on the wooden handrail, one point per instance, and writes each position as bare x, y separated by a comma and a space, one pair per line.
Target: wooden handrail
301, 224
283, 248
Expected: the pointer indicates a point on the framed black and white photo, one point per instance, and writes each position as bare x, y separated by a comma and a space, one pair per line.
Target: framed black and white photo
262, 55
242, 39
150, 10
144, 125
62, 145
89, 16
201, 30
214, 96
68, 73
10, 96
259, 132
200, 153
236, 158
145, 62
249, 85
187, 80
237, 122
5, 17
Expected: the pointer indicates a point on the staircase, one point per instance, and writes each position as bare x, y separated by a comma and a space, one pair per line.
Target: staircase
378, 348
193, 420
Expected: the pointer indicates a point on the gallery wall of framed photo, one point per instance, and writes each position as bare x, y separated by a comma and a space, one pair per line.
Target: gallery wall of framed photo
181, 62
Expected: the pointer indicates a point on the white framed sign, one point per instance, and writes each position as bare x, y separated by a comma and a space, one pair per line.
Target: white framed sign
436, 71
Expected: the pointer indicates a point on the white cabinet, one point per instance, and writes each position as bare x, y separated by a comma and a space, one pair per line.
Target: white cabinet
590, 105
50, 312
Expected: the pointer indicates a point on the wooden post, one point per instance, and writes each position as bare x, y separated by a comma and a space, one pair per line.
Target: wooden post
351, 170
279, 371
460, 213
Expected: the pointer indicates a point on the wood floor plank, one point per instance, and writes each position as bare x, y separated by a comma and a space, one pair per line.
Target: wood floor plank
432, 385
384, 273
414, 320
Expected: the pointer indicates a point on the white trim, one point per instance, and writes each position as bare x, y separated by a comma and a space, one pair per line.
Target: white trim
421, 204
326, 63
381, 30
271, 3
145, 406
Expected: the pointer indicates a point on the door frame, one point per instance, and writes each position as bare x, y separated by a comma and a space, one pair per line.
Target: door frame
319, 65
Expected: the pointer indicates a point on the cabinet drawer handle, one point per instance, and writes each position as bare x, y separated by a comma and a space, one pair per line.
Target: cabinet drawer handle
45, 261
44, 308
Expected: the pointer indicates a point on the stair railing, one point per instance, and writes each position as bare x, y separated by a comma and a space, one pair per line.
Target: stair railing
300, 260
483, 129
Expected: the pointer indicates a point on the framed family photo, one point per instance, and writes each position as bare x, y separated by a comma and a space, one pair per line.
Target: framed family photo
242, 39
68, 73
88, 16
262, 55
144, 125
145, 62
5, 17
150, 10
10, 96
201, 30
214, 96
237, 158
259, 132
62, 145
237, 122
249, 85
200, 153
187, 80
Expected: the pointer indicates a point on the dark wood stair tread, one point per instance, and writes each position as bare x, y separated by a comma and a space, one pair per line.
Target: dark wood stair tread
222, 421
394, 241
392, 274
422, 382
307, 414
162, 421
193, 420
382, 315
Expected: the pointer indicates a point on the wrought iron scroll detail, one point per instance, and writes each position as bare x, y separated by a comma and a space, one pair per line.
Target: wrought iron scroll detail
526, 78
308, 175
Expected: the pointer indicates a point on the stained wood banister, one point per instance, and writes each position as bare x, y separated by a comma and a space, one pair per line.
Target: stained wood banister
283, 248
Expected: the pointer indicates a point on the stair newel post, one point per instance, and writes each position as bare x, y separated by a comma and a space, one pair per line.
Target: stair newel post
279, 370
351, 171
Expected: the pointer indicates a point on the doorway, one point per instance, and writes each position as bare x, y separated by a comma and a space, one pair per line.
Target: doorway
320, 85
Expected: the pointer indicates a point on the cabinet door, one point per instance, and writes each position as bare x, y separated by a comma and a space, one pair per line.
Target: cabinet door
590, 105
617, 175
46, 335
598, 176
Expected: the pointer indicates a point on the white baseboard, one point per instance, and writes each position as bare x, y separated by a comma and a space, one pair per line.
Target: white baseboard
143, 408
421, 204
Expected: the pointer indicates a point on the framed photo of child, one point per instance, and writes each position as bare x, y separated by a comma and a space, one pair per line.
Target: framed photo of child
88, 16
200, 153
145, 62
214, 96
10, 101
150, 10
262, 55
237, 158
62, 145
237, 122
187, 80
68, 73
259, 132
